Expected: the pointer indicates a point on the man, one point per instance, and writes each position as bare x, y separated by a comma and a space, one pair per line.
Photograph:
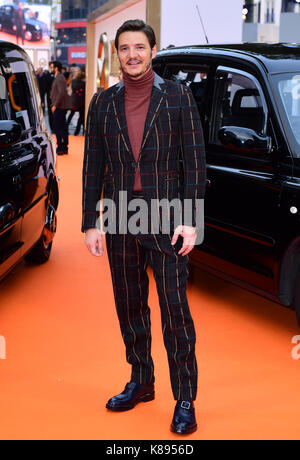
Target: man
59, 105
141, 130
19, 23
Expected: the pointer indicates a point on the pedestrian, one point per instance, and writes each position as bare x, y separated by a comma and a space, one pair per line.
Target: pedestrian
138, 134
19, 23
78, 99
59, 106
49, 81
43, 83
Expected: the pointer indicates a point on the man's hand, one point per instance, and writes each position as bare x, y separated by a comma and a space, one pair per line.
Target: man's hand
93, 240
189, 235
53, 108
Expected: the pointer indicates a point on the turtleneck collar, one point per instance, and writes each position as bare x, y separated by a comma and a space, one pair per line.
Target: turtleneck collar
136, 87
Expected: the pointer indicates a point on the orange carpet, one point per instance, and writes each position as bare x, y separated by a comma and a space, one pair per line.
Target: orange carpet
65, 356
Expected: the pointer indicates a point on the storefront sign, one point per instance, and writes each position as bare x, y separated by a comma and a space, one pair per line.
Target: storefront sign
77, 55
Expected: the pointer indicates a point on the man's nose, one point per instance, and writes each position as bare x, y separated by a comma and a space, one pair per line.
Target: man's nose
132, 53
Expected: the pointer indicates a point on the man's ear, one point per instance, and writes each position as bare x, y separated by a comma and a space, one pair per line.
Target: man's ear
154, 51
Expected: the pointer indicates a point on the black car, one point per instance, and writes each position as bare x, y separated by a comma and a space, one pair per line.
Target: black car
248, 96
35, 29
29, 189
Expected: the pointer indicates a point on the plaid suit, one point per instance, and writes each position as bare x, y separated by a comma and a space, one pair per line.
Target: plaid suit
172, 165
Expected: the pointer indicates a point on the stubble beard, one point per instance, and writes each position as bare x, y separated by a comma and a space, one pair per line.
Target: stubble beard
141, 73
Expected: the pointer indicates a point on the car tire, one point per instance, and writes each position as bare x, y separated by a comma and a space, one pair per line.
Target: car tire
296, 302
40, 252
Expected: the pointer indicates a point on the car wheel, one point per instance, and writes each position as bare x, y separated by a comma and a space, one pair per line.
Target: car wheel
40, 253
296, 302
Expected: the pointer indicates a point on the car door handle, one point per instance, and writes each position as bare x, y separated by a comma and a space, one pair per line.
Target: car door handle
17, 182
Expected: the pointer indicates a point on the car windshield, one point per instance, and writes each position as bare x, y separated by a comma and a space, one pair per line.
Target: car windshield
288, 89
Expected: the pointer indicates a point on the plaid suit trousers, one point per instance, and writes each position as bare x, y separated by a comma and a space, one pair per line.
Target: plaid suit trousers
129, 255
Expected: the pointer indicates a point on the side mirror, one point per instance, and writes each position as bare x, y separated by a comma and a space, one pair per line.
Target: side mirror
10, 132
244, 140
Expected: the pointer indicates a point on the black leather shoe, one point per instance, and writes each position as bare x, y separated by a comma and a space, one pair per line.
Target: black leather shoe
131, 396
184, 421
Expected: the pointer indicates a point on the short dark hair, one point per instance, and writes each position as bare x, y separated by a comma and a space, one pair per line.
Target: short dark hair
136, 25
58, 65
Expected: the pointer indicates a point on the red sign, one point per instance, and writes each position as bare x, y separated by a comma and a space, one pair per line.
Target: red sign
70, 25
77, 55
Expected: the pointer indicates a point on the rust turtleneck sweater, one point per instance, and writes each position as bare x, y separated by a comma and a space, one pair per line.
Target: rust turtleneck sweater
137, 100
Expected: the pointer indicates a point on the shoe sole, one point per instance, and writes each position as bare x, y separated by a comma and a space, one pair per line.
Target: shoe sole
144, 398
188, 431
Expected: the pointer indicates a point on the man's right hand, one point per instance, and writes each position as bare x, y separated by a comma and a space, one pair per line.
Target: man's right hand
94, 241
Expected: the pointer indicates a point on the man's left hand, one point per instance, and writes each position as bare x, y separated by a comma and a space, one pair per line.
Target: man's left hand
53, 108
189, 235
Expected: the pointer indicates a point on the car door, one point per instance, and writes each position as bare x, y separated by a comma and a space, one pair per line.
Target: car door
25, 108
10, 212
242, 200
10, 197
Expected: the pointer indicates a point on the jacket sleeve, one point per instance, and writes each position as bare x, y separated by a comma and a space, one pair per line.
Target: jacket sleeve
193, 156
59, 92
94, 163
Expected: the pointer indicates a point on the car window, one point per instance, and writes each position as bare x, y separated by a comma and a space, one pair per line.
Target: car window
196, 79
238, 101
20, 100
287, 87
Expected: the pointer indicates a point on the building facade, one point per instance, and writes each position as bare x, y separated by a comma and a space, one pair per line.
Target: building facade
271, 21
69, 29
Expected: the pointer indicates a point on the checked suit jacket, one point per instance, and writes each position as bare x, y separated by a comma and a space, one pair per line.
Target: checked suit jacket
172, 155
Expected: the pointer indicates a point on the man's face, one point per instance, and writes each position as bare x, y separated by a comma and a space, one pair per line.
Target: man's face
135, 54
52, 69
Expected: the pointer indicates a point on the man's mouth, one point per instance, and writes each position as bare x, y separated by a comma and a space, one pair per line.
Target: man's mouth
134, 63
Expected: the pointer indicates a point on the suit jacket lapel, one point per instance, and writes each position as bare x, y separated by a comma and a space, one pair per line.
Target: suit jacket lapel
118, 102
157, 102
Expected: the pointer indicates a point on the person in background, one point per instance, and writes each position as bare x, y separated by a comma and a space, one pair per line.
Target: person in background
49, 80
19, 23
65, 73
59, 106
42, 81
78, 99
